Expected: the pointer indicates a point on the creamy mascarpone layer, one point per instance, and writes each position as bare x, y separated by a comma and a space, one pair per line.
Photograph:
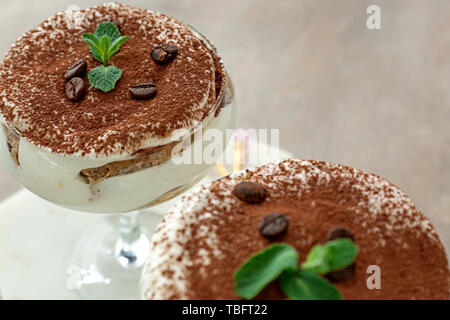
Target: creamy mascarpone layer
56, 177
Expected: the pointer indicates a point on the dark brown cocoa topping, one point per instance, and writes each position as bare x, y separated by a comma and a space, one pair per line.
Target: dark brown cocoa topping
78, 69
315, 197
164, 53
36, 64
143, 91
273, 225
251, 192
76, 89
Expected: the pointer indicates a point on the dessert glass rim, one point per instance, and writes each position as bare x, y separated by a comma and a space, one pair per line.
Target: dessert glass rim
127, 155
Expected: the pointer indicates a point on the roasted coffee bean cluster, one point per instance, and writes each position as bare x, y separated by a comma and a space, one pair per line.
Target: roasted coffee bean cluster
164, 53
76, 86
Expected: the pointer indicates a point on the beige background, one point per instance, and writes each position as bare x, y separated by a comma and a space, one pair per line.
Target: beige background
375, 100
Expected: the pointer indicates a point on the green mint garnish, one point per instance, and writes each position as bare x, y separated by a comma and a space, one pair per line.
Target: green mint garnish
263, 268
104, 78
103, 45
107, 29
306, 285
298, 282
330, 256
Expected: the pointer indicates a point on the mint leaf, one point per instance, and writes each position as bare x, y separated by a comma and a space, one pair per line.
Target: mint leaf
316, 261
104, 78
115, 45
330, 256
263, 268
306, 285
302, 282
93, 43
103, 45
91, 39
341, 253
105, 42
109, 29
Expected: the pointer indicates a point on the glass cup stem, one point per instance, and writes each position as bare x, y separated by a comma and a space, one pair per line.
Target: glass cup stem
132, 246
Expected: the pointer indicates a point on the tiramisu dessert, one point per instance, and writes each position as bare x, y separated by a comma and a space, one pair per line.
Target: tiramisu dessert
300, 230
94, 101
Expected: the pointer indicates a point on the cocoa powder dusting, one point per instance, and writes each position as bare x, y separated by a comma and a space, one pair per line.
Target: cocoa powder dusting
216, 233
32, 84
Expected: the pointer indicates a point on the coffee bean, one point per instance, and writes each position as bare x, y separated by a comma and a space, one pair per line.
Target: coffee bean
164, 53
251, 192
78, 69
75, 89
143, 91
347, 272
342, 274
273, 225
116, 23
340, 232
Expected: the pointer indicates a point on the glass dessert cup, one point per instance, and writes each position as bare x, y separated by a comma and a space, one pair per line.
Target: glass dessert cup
106, 262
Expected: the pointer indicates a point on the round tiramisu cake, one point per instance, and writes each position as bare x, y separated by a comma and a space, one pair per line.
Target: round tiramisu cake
94, 102
343, 232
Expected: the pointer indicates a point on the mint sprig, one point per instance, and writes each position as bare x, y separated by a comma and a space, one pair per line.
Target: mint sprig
331, 256
263, 268
297, 282
306, 285
103, 45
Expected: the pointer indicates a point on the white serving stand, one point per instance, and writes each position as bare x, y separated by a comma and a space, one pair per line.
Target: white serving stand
37, 238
